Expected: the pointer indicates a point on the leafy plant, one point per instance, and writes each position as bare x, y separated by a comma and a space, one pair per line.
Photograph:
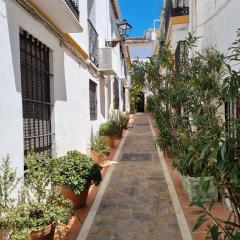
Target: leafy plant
99, 145
120, 118
150, 104
189, 113
164, 140
77, 172
109, 128
8, 184
40, 202
125, 120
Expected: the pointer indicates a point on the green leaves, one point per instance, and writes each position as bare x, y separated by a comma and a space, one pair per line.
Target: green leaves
77, 171
109, 128
8, 184
99, 145
201, 219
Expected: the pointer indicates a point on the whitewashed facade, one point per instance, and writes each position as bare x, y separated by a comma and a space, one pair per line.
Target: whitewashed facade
71, 44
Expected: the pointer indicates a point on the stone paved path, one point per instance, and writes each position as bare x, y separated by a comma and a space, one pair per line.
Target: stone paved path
136, 204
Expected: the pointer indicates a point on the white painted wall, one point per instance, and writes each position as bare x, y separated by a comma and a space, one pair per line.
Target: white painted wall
11, 137
216, 22
179, 33
70, 83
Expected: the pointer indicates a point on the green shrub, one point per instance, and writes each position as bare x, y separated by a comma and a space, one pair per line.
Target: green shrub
164, 140
40, 201
109, 128
77, 172
8, 184
120, 118
151, 104
99, 145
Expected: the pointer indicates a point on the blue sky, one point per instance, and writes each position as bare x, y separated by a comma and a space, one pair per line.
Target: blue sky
140, 14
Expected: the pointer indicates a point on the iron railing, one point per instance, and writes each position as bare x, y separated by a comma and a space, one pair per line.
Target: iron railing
74, 6
175, 8
93, 44
181, 56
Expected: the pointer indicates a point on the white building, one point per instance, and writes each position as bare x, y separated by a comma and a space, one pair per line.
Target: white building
58, 80
215, 22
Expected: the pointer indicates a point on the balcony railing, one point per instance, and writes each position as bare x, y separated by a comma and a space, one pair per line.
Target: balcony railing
73, 5
181, 57
93, 44
175, 8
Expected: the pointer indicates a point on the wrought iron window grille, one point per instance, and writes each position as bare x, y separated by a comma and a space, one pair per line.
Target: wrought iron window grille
36, 99
116, 93
93, 44
93, 100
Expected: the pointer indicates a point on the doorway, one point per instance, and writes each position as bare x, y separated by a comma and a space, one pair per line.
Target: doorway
139, 102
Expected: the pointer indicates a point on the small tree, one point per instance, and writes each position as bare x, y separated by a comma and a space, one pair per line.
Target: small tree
188, 112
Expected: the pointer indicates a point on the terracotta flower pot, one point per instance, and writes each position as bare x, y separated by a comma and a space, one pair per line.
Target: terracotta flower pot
96, 157
46, 233
78, 200
110, 141
2, 235
119, 134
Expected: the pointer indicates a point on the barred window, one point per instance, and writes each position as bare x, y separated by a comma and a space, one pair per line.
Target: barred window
124, 99
116, 93
36, 101
93, 100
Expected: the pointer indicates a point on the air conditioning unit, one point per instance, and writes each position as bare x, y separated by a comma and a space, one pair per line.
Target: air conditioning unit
106, 61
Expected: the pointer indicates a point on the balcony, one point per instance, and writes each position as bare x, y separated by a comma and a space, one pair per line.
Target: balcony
107, 61
73, 5
175, 8
179, 8
64, 14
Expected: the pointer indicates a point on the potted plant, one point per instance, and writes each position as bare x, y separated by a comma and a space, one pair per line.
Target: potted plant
117, 117
125, 121
38, 221
77, 172
41, 207
98, 149
109, 130
8, 184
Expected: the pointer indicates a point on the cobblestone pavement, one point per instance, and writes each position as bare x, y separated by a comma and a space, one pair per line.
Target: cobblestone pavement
136, 204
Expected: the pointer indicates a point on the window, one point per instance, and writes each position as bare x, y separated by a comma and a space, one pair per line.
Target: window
116, 93
36, 101
93, 100
92, 33
124, 99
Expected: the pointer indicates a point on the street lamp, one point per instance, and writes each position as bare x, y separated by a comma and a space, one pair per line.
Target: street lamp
124, 27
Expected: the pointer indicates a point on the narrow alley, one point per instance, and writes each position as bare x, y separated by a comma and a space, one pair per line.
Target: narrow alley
136, 204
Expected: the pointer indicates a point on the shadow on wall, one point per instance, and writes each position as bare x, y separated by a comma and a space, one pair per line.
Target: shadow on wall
14, 41
56, 57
